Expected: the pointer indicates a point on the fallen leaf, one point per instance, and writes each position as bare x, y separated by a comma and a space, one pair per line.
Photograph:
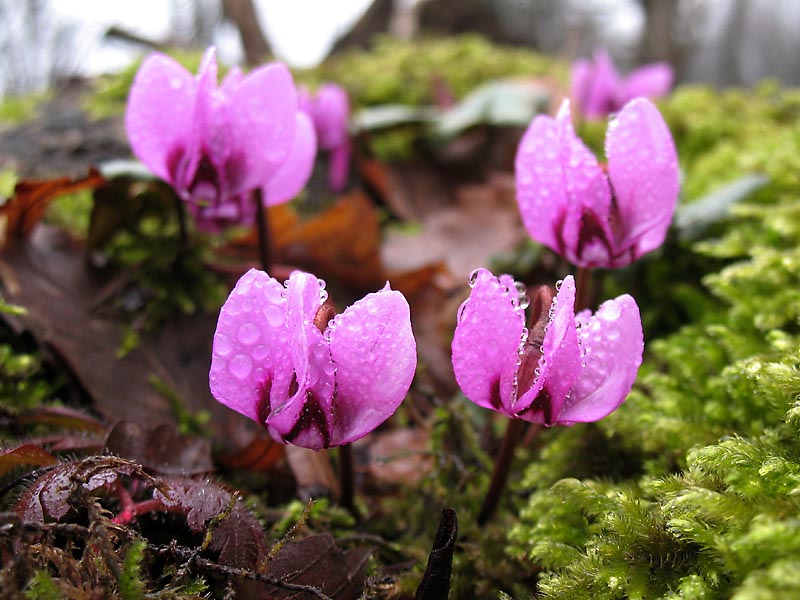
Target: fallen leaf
261, 454
61, 417
160, 448
399, 457
26, 454
25, 209
312, 472
317, 561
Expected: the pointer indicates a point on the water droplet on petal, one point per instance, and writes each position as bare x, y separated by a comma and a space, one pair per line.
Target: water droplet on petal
473, 277
222, 345
461, 310
240, 366
274, 315
248, 334
610, 311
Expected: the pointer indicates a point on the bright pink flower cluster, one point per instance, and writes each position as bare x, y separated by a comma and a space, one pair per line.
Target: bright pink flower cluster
310, 382
599, 90
591, 215
329, 108
563, 369
216, 144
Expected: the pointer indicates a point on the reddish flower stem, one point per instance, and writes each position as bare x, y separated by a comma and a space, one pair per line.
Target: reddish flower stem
583, 289
264, 240
502, 466
129, 509
346, 479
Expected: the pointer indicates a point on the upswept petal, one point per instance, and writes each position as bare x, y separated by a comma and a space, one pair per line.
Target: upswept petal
374, 353
580, 82
541, 194
604, 84
305, 419
213, 135
612, 343
339, 167
561, 359
293, 175
263, 126
643, 167
486, 343
650, 81
250, 357
588, 193
331, 108
158, 118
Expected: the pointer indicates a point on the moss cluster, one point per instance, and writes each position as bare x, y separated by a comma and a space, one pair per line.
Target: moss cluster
706, 503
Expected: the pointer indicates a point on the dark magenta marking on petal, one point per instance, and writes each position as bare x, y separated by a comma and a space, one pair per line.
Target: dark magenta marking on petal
494, 396
311, 415
263, 406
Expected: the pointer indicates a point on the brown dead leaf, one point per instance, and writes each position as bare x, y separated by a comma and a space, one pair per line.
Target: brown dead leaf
160, 448
312, 472
25, 209
482, 223
317, 561
399, 457
47, 274
261, 454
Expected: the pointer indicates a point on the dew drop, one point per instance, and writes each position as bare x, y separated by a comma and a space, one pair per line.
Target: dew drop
222, 345
248, 334
260, 352
473, 277
610, 311
612, 333
240, 366
461, 310
274, 315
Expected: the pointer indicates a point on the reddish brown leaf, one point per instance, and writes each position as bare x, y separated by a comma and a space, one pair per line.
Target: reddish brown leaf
25, 209
260, 454
317, 561
61, 417
240, 540
399, 456
312, 472
26, 454
160, 448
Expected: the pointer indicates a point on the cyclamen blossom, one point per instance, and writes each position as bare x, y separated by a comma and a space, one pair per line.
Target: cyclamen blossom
330, 110
599, 90
566, 369
217, 144
310, 382
594, 219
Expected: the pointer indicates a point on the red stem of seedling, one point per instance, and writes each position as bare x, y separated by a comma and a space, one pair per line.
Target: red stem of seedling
501, 469
264, 240
130, 509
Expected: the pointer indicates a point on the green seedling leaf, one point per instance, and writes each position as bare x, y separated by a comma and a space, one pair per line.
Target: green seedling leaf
693, 219
387, 116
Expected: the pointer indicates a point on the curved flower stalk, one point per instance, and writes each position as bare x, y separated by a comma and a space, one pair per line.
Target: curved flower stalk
310, 382
330, 110
564, 369
217, 144
594, 219
599, 90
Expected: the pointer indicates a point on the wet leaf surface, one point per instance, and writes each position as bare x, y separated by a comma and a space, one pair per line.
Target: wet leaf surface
25, 454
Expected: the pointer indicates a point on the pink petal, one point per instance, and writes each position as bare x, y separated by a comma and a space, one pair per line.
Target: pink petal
232, 80
158, 118
262, 126
541, 194
331, 112
588, 194
650, 81
486, 343
374, 352
339, 167
581, 81
293, 175
613, 344
643, 167
603, 88
561, 359
305, 418
250, 364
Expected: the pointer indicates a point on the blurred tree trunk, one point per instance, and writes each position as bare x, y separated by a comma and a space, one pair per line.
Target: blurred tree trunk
242, 13
376, 20
658, 41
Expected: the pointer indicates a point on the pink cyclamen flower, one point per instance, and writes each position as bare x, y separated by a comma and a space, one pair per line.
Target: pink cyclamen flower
594, 219
566, 369
599, 90
309, 382
330, 110
215, 144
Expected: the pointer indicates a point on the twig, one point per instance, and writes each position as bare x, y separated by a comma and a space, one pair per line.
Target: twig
262, 223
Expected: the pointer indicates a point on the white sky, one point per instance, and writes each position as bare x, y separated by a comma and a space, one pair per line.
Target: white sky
300, 31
